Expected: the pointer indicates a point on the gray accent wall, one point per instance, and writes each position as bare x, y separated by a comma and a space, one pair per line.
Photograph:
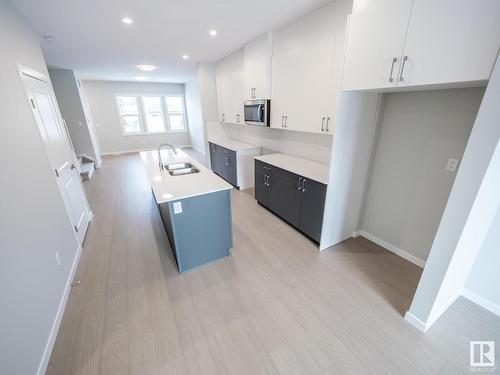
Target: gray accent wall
33, 220
409, 185
101, 98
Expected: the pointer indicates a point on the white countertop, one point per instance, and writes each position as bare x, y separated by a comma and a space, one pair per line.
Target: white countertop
310, 169
167, 188
233, 145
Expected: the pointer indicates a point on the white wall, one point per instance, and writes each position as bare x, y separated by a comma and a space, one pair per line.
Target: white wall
350, 160
33, 221
483, 283
469, 212
101, 97
311, 146
194, 115
70, 104
409, 185
208, 95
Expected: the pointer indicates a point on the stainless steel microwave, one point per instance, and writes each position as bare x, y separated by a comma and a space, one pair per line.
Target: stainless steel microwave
257, 112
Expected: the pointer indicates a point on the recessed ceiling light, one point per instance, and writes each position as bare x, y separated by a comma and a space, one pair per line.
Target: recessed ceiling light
147, 68
141, 78
185, 57
213, 32
49, 38
127, 20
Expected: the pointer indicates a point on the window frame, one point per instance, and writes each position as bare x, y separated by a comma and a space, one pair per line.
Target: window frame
141, 113
183, 113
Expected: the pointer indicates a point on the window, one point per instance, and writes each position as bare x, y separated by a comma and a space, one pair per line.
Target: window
149, 114
129, 114
154, 114
175, 108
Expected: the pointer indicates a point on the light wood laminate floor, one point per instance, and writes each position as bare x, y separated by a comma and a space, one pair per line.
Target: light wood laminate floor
275, 306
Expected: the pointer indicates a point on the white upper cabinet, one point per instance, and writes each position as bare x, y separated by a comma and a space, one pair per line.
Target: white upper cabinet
375, 41
230, 87
257, 67
394, 43
306, 70
451, 41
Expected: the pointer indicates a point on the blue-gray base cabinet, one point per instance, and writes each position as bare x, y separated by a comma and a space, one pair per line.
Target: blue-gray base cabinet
296, 199
224, 163
199, 228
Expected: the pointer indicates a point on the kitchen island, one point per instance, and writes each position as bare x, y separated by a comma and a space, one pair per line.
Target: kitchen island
195, 207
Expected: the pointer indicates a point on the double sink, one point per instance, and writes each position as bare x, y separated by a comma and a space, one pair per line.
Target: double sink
181, 169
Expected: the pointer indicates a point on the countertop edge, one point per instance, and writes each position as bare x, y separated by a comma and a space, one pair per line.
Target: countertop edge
294, 170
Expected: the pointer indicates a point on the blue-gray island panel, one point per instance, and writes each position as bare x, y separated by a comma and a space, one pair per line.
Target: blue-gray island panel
199, 228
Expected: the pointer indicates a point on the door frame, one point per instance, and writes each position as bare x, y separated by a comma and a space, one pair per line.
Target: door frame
25, 72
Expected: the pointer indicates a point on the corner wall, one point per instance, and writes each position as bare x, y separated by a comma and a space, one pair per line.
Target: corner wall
469, 212
34, 223
482, 286
409, 184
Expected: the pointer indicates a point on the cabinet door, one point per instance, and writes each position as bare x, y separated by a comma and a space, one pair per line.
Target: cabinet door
221, 83
302, 69
229, 165
211, 147
275, 198
229, 81
311, 212
376, 35
292, 198
257, 68
451, 41
260, 182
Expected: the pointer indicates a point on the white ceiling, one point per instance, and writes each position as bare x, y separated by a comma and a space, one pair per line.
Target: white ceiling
91, 39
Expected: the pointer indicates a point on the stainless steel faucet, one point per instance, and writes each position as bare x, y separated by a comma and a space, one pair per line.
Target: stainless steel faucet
160, 163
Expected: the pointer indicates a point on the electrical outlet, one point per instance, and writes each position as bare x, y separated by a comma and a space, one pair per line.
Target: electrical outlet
58, 259
452, 164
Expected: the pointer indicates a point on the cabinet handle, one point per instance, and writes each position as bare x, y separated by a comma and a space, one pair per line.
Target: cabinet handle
222, 117
327, 123
286, 120
282, 119
403, 68
299, 184
322, 124
265, 176
394, 60
268, 183
304, 185
227, 161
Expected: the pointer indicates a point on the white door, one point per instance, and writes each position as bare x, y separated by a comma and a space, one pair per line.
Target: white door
220, 81
257, 68
57, 146
230, 87
234, 90
303, 54
451, 41
375, 40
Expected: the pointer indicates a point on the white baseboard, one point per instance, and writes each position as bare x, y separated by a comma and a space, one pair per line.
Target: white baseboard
57, 322
138, 150
396, 250
416, 322
478, 300
435, 315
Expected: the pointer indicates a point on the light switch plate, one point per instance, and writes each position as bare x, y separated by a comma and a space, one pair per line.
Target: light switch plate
177, 207
452, 164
